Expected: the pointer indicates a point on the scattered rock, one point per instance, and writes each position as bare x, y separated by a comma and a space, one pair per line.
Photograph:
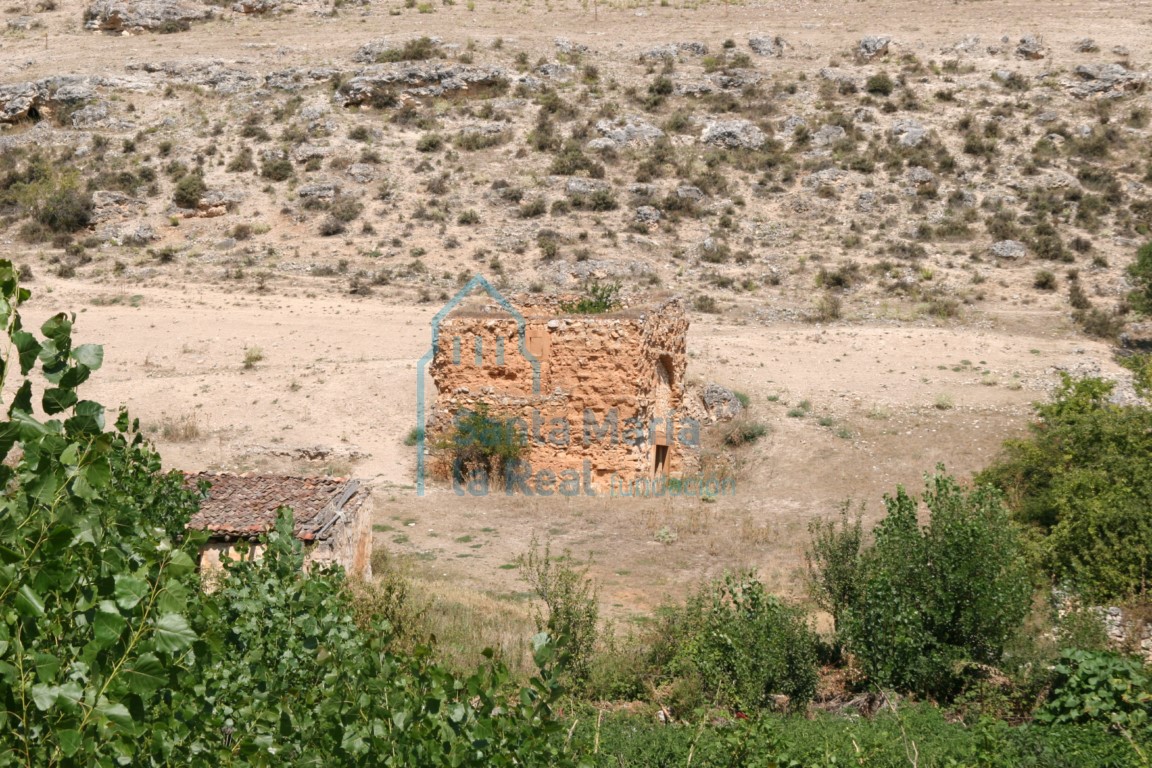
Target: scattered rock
139, 15
828, 134
554, 71
133, 234
767, 45
872, 46
689, 192
920, 175
1085, 45
734, 134
257, 7
1031, 47
581, 186
866, 202
1009, 249
320, 191
210, 73
362, 173
1120, 50
566, 46
693, 48
384, 83
1104, 77
24, 24
646, 214
721, 402
908, 133
630, 131
830, 177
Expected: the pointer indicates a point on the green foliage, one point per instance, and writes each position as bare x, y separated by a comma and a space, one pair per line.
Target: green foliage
1141, 366
418, 49
833, 558
911, 735
573, 606
931, 598
1081, 479
482, 446
189, 189
744, 432
276, 169
1099, 687
96, 592
597, 299
112, 654
65, 210
880, 84
744, 646
1140, 272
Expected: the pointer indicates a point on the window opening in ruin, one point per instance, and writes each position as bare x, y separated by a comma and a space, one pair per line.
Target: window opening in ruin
661, 460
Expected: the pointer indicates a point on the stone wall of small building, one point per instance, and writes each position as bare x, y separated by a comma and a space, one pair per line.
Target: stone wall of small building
608, 385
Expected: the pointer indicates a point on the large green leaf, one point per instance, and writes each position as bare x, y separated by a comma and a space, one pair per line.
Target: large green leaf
89, 355
130, 590
145, 675
57, 399
28, 603
172, 633
108, 625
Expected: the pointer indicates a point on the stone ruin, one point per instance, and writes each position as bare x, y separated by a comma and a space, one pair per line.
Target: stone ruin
599, 397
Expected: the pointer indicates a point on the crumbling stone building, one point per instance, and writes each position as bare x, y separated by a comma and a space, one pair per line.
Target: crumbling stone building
599, 397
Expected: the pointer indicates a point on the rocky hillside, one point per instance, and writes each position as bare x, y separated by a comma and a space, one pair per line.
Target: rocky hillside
763, 175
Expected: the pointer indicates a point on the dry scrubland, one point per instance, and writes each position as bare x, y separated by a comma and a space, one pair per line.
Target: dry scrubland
890, 254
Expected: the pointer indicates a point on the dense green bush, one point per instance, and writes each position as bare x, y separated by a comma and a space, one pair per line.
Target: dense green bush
189, 189
930, 598
65, 210
1081, 480
741, 645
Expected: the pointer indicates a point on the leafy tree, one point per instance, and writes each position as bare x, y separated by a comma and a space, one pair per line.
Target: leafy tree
95, 591
833, 558
928, 598
573, 605
1081, 480
112, 654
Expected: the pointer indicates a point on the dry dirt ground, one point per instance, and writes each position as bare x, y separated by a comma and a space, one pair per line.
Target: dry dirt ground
891, 389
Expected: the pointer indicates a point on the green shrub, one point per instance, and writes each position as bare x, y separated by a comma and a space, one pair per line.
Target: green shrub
597, 299
418, 49
429, 142
744, 432
1081, 479
744, 645
65, 210
572, 605
189, 189
929, 598
278, 169
833, 559
880, 84
1091, 686
482, 447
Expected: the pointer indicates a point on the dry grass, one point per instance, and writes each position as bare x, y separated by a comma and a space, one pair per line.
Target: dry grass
184, 428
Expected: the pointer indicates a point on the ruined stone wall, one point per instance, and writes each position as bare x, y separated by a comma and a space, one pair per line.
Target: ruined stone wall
620, 370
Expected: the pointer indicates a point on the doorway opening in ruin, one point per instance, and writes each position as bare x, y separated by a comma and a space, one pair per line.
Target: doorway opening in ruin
661, 460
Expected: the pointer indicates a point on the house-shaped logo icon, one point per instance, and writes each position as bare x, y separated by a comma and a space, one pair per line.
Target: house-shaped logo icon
471, 350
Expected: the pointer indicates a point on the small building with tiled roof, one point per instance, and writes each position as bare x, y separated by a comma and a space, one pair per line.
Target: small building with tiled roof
238, 509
